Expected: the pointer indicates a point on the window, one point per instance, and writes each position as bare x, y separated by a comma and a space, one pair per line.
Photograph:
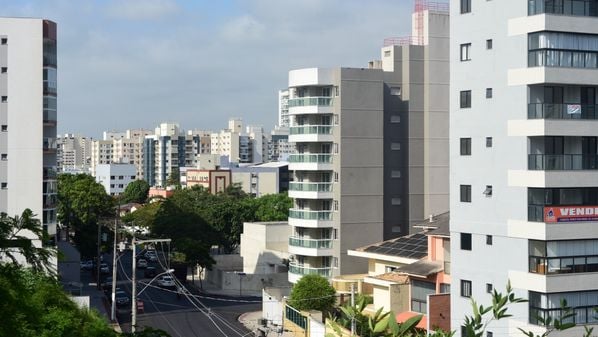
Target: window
3, 186
465, 193
465, 146
4, 99
465, 6
121, 177
389, 269
335, 234
466, 52
488, 92
386, 53
4, 40
488, 141
445, 288
395, 119
335, 204
489, 288
465, 100
4, 156
112, 177
4, 128
395, 146
336, 177
488, 191
465, 241
4, 70
489, 240
395, 174
489, 44
489, 334
395, 91
465, 288
395, 201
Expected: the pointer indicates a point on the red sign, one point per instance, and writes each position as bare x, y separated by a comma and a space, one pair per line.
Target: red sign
570, 213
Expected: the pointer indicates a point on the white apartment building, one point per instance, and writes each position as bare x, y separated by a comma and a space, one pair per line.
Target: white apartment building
259, 144
115, 177
28, 118
120, 147
74, 153
226, 142
279, 147
164, 153
523, 157
371, 149
283, 108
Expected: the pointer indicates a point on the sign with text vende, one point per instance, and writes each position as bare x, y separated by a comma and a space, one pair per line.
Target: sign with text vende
570, 213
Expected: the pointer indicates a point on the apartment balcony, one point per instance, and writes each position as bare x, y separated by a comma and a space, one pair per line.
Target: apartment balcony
310, 219
566, 111
49, 117
50, 145
49, 173
311, 162
309, 190
297, 271
310, 105
311, 133
562, 162
310, 247
552, 74
552, 178
569, 8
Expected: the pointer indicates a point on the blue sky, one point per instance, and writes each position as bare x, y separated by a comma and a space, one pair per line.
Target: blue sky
135, 63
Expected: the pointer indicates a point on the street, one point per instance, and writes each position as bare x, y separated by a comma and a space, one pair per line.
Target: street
180, 315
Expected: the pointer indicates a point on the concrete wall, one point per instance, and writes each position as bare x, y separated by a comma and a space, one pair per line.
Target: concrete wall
264, 246
273, 304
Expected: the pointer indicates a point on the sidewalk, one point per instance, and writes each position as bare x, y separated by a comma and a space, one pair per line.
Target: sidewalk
251, 321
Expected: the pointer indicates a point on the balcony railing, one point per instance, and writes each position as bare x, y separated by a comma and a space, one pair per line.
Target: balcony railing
303, 270
563, 265
50, 144
310, 101
311, 130
310, 243
49, 173
310, 187
295, 316
322, 158
562, 58
310, 215
570, 7
549, 162
535, 213
561, 111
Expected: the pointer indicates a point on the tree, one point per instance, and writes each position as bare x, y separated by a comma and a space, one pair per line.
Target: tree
313, 292
17, 235
174, 178
81, 203
137, 191
144, 216
273, 207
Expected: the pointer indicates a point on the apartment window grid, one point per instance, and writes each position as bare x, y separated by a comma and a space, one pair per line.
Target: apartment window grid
465, 193
465, 288
465, 99
465, 52
465, 146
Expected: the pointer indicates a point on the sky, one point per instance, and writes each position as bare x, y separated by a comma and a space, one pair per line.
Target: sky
135, 63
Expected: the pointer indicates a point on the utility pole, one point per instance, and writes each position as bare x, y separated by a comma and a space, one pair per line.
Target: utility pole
134, 285
98, 258
353, 306
113, 311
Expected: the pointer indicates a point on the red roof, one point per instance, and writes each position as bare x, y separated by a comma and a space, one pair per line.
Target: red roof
402, 317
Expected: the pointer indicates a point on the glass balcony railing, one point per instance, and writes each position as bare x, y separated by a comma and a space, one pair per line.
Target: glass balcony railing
310, 215
311, 130
50, 144
49, 116
310, 101
563, 162
561, 111
310, 243
321, 158
310, 187
563, 7
303, 270
563, 265
49, 173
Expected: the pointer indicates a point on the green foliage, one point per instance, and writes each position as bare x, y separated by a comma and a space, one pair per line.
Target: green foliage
144, 216
312, 292
174, 179
33, 304
81, 203
15, 240
273, 207
137, 191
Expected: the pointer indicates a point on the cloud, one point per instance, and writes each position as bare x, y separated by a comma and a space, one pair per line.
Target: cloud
142, 9
243, 27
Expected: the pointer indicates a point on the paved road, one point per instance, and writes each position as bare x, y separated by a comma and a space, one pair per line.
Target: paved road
182, 316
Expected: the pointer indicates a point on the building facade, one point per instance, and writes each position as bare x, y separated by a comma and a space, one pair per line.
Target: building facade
74, 153
115, 177
523, 159
371, 149
28, 118
120, 147
164, 153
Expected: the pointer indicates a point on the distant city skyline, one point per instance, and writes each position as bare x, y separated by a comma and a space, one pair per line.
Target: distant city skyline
134, 64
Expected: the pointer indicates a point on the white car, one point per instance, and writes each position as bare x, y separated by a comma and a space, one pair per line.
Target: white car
141, 263
166, 281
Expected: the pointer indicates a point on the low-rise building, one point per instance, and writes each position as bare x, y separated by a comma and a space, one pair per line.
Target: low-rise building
115, 177
262, 179
215, 181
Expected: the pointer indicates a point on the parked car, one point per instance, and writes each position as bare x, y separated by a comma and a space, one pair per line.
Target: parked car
142, 263
150, 272
107, 283
166, 281
104, 269
151, 256
122, 298
87, 265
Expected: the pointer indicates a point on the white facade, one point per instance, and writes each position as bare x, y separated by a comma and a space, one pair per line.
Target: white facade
283, 108
74, 153
28, 118
115, 177
226, 142
120, 147
523, 127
